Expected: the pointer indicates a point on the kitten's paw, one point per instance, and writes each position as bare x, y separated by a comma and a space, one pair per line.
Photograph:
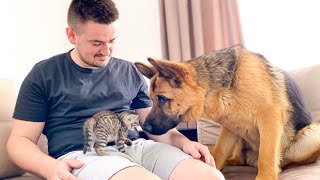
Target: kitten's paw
102, 152
128, 142
122, 150
86, 149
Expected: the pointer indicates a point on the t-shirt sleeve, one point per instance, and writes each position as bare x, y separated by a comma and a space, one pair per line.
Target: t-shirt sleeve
142, 100
31, 103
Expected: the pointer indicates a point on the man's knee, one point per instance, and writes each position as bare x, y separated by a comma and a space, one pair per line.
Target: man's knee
195, 169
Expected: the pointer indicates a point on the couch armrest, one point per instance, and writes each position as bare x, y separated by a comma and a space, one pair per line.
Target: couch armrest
8, 98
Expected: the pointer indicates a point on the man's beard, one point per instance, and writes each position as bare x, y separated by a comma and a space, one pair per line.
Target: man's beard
92, 64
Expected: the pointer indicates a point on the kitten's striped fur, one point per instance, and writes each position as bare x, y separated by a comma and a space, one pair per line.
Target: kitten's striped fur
105, 126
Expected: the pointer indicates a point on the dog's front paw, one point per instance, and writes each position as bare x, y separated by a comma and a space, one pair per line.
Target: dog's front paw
262, 176
234, 162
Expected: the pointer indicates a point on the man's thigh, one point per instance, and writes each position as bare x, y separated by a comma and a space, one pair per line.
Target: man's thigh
159, 158
100, 167
196, 169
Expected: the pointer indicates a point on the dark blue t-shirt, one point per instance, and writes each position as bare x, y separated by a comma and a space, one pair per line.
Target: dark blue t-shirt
63, 95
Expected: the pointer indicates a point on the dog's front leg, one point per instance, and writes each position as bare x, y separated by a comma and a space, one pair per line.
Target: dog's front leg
224, 146
269, 151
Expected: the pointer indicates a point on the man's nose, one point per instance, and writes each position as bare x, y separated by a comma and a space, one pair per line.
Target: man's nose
106, 49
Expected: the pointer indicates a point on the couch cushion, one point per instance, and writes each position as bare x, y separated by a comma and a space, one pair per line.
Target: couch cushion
308, 79
8, 98
305, 172
8, 95
26, 176
7, 168
207, 131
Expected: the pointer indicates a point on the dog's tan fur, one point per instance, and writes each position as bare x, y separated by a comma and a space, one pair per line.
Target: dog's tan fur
247, 96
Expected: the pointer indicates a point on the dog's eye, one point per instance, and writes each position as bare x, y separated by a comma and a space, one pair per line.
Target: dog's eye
162, 99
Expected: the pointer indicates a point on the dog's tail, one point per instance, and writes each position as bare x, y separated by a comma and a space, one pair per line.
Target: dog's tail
305, 148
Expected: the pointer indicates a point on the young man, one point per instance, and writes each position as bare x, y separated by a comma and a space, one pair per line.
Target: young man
60, 93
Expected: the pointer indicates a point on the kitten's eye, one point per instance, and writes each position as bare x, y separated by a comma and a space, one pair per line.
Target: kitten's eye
162, 99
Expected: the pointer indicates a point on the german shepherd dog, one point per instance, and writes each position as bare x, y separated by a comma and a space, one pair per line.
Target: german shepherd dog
264, 120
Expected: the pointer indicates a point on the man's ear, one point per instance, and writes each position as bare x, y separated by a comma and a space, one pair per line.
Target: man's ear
71, 35
147, 71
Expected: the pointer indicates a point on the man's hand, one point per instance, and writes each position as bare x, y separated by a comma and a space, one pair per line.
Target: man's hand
63, 168
199, 151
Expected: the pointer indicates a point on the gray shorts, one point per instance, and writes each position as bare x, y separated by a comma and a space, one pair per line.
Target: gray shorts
159, 158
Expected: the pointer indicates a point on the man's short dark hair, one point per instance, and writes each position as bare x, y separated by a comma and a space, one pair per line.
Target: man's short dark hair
99, 11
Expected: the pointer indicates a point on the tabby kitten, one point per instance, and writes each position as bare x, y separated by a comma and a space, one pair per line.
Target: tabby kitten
105, 126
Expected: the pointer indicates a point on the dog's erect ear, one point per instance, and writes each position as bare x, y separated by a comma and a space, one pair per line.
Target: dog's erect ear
167, 69
147, 71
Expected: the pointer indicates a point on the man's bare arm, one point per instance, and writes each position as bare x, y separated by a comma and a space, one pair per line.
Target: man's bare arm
23, 151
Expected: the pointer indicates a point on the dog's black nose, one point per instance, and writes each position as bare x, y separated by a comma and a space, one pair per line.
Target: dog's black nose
147, 128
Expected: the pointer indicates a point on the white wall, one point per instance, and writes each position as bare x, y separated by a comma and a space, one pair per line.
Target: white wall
30, 31
286, 32
139, 36
33, 30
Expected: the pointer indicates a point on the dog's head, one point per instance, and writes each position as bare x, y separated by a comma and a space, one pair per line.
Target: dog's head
176, 95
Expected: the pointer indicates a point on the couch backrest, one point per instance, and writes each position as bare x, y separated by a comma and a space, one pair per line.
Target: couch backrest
308, 80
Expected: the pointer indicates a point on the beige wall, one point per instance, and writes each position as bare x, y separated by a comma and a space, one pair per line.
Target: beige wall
32, 30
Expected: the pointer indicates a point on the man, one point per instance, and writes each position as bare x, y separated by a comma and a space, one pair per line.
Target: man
60, 93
